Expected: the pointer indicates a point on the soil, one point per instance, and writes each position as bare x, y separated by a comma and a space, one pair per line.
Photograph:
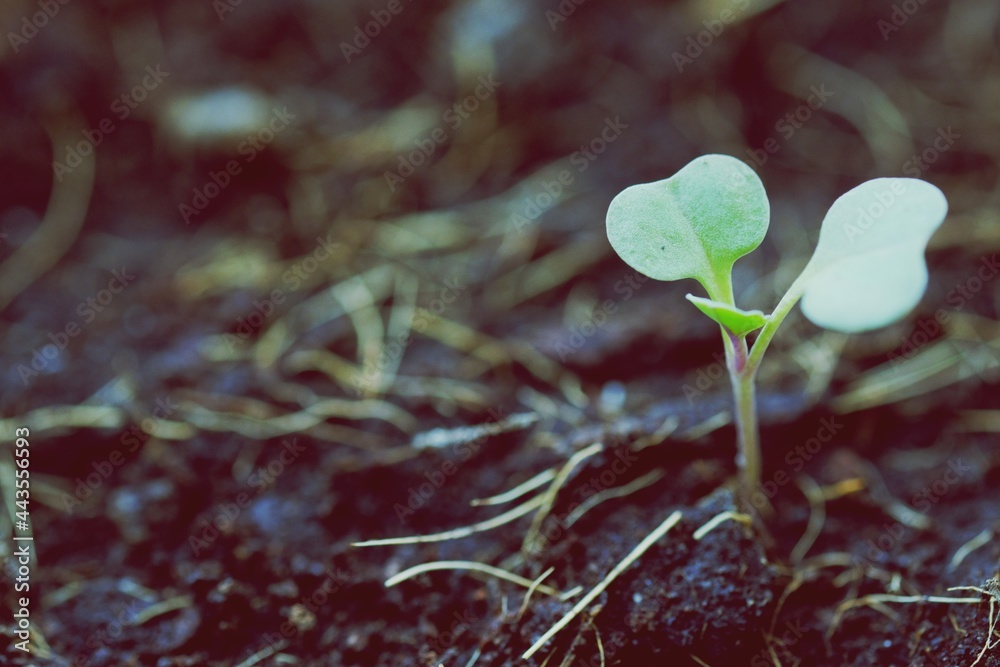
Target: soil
210, 445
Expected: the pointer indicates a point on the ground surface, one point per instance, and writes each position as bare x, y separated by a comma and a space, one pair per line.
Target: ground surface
339, 308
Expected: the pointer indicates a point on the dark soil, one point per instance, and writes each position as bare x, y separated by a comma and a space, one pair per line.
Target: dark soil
207, 448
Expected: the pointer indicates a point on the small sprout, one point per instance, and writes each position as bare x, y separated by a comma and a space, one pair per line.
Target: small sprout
868, 269
736, 321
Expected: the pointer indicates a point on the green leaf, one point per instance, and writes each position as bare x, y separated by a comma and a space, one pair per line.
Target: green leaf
868, 269
738, 321
695, 224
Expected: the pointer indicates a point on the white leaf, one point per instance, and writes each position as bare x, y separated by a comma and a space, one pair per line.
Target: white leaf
868, 269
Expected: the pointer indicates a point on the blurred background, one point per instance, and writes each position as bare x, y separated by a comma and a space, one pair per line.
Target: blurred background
224, 224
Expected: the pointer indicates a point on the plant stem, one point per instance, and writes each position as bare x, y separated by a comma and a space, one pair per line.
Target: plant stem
743, 366
775, 319
742, 378
749, 460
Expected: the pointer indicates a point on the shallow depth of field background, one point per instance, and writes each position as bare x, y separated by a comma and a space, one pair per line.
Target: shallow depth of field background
227, 223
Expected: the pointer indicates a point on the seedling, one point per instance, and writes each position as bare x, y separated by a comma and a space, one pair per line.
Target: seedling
867, 271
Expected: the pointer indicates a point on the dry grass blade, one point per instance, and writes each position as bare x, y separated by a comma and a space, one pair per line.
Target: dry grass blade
465, 531
341, 371
703, 428
160, 608
817, 517
980, 540
358, 291
64, 216
878, 600
992, 591
979, 421
617, 492
8, 479
939, 364
439, 438
264, 653
531, 589
714, 522
361, 306
549, 497
476, 567
518, 491
398, 328
261, 420
634, 555
544, 274
870, 110
63, 417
